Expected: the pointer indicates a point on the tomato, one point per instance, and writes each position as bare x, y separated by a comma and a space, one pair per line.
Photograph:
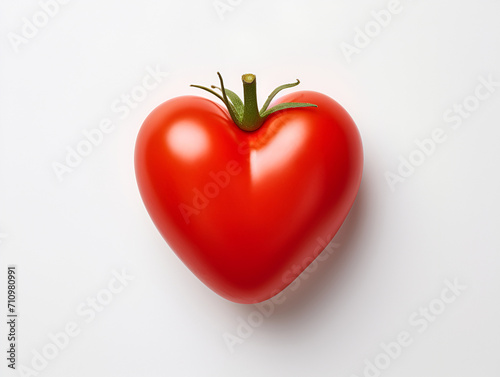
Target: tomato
248, 210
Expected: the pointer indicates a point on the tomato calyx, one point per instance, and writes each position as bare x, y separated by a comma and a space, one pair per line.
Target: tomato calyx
245, 114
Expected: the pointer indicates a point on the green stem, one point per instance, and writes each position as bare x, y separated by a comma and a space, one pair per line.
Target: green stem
245, 114
251, 117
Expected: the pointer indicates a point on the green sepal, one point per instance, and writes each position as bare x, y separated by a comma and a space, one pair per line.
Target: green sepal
274, 92
235, 100
283, 106
230, 107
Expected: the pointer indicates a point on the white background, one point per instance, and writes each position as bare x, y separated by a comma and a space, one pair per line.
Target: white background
396, 248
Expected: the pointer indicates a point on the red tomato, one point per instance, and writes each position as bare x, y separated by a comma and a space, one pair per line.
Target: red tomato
243, 209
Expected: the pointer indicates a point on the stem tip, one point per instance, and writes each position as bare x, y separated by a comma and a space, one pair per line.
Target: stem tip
248, 78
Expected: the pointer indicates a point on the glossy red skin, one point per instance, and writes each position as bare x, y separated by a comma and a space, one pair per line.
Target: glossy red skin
298, 177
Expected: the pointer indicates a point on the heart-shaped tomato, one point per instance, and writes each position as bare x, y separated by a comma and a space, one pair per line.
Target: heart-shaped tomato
242, 209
